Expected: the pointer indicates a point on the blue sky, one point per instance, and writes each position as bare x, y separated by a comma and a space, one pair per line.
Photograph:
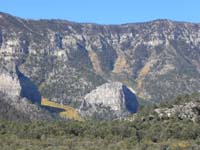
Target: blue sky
104, 11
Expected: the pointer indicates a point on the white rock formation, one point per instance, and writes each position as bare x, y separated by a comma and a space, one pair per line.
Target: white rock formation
9, 85
115, 96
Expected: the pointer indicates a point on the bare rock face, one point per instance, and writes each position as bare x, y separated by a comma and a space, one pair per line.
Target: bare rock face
110, 97
9, 85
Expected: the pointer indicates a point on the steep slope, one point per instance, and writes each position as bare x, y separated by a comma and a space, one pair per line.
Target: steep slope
67, 60
20, 109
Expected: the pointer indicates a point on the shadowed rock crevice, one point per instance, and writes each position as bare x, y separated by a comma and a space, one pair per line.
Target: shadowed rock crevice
1, 39
131, 102
28, 89
58, 41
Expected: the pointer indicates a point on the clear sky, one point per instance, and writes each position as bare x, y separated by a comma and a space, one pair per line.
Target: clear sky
104, 11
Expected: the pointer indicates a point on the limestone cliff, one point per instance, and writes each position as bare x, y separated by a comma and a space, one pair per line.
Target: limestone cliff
114, 97
9, 84
158, 59
64, 60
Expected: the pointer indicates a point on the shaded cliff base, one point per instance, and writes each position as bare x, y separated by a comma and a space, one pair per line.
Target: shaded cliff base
21, 109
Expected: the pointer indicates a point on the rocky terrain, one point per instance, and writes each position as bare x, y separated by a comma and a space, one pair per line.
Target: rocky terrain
63, 61
21, 109
188, 110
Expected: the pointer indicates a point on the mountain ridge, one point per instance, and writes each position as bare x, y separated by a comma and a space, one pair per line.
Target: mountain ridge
66, 61
100, 24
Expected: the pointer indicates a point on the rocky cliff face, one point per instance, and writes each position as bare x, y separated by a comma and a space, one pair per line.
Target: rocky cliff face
113, 97
9, 84
67, 60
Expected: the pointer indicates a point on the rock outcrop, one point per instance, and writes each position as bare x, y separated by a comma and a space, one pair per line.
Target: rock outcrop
9, 84
190, 110
114, 97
